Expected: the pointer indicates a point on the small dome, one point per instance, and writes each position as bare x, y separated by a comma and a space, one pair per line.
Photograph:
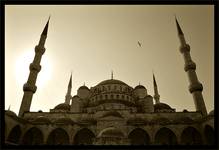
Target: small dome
140, 87
112, 81
63, 106
76, 96
111, 132
64, 121
10, 113
42, 120
83, 87
159, 106
211, 113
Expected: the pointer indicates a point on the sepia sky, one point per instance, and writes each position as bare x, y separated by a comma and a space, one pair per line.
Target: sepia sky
92, 40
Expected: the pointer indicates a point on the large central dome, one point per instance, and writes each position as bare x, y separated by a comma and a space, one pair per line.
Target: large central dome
112, 81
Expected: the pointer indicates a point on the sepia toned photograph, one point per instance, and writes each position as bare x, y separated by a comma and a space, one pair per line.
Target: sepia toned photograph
109, 75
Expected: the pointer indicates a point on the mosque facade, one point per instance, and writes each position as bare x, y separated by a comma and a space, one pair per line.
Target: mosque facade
111, 113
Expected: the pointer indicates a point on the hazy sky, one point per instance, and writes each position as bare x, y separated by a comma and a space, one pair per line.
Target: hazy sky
92, 40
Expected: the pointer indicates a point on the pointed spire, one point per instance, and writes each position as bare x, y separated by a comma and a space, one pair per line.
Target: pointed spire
84, 83
45, 30
112, 74
155, 83
178, 27
70, 82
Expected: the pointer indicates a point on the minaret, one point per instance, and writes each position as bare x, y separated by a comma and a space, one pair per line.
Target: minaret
195, 86
68, 94
29, 87
156, 94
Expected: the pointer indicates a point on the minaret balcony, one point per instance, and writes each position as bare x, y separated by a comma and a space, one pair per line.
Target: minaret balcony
184, 48
40, 49
195, 87
190, 66
29, 88
35, 67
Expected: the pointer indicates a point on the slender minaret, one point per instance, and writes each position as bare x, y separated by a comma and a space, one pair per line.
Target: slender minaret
156, 94
30, 88
195, 86
68, 94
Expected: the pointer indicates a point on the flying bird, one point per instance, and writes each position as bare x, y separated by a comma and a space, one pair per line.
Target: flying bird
139, 43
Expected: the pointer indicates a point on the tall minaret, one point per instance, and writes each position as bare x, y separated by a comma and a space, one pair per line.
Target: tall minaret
195, 86
156, 94
30, 88
68, 94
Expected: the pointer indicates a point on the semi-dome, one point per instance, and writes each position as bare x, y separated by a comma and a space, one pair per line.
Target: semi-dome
63, 106
83, 88
160, 106
63, 121
139, 87
10, 113
111, 132
42, 120
112, 81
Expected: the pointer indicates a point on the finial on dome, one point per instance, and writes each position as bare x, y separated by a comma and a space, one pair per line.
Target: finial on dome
112, 74
84, 83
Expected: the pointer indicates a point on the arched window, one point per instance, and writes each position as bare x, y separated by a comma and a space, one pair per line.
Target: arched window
58, 137
190, 136
14, 135
106, 96
111, 96
120, 89
117, 96
165, 137
101, 97
84, 137
109, 87
209, 135
123, 97
33, 137
115, 87
139, 137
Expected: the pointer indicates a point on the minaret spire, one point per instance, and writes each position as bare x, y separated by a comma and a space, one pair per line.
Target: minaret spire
156, 94
195, 86
68, 94
29, 87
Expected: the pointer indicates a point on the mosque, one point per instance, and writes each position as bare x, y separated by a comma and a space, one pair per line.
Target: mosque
111, 113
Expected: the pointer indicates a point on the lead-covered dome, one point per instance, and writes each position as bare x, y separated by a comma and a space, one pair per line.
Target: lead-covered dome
63, 106
139, 87
10, 113
83, 87
112, 81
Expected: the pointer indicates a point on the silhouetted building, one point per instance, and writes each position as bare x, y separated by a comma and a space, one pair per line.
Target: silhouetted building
111, 113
